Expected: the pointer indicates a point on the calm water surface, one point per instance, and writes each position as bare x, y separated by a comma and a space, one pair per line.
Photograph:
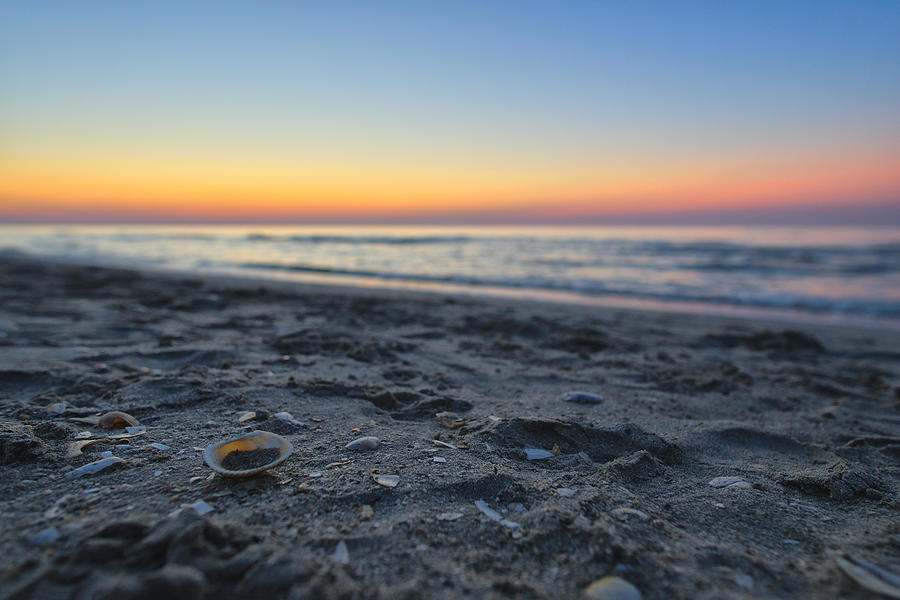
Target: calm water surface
818, 273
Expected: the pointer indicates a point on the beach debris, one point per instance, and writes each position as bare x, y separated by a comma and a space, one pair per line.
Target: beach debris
537, 454
247, 416
44, 537
449, 516
339, 463
443, 444
158, 446
870, 576
586, 398
200, 507
389, 481
76, 448
450, 420
288, 418
439, 459
248, 454
612, 588
566, 492
117, 419
132, 431
341, 555
368, 442
494, 515
95, 420
366, 512
729, 482
57, 408
315, 474
95, 467
624, 512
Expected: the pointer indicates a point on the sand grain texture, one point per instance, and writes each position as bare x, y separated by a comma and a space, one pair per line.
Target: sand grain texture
806, 415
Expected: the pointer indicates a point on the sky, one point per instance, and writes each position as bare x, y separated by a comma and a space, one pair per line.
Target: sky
482, 111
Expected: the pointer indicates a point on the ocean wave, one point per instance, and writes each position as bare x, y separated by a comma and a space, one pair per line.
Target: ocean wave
850, 306
357, 239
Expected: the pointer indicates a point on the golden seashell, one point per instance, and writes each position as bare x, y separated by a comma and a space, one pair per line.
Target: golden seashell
238, 457
116, 420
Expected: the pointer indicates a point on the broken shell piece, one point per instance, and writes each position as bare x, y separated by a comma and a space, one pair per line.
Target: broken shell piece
537, 454
264, 446
582, 398
449, 516
247, 416
493, 515
86, 420
341, 554
624, 512
286, 416
390, 481
566, 492
95, 467
117, 419
74, 449
364, 443
439, 459
729, 482
451, 420
870, 576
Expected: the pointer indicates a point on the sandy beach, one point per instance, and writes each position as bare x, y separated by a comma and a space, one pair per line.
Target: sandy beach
693, 457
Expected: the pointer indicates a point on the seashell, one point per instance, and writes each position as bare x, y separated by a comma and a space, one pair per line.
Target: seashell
582, 398
611, 588
117, 419
868, 575
74, 449
493, 515
95, 467
450, 420
449, 516
729, 482
363, 443
216, 454
624, 512
390, 481
537, 453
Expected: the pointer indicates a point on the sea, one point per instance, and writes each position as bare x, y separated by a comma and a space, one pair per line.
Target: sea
832, 274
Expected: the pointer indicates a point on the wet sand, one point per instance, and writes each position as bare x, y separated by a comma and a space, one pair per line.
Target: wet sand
804, 418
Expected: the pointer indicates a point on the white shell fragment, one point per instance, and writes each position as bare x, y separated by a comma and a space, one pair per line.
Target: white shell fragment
160, 447
612, 588
439, 459
729, 482
582, 398
870, 576
368, 442
247, 416
566, 492
449, 516
389, 481
537, 453
341, 554
95, 467
286, 416
624, 512
493, 515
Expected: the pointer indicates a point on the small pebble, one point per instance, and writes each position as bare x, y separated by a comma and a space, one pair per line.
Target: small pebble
624, 512
439, 459
45, 537
449, 516
157, 473
566, 492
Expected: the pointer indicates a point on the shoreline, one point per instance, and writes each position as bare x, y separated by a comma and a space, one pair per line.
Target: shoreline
801, 416
374, 285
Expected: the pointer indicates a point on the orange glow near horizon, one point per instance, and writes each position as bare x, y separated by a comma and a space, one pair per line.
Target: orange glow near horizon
191, 189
